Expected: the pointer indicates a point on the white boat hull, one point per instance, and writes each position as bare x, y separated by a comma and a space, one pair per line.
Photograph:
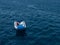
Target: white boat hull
21, 23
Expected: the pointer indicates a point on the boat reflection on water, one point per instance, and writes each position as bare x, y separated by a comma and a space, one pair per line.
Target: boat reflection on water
21, 32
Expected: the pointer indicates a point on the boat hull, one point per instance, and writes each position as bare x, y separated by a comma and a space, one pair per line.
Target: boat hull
20, 26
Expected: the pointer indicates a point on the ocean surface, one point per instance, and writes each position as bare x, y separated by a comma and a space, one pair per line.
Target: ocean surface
41, 16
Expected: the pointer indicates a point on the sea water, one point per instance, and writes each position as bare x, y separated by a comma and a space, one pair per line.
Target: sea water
41, 16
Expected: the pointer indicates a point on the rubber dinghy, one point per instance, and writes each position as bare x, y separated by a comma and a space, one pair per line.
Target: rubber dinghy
19, 25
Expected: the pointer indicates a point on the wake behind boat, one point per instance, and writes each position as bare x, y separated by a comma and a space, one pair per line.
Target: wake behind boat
19, 25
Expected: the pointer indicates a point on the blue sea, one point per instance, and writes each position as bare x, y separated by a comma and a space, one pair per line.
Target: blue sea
42, 18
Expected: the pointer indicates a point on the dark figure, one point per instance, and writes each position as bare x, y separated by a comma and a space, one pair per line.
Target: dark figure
20, 32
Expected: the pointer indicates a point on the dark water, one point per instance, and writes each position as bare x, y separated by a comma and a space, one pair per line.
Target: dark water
42, 18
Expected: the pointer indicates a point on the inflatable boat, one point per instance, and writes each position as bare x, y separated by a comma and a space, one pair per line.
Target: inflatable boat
19, 25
